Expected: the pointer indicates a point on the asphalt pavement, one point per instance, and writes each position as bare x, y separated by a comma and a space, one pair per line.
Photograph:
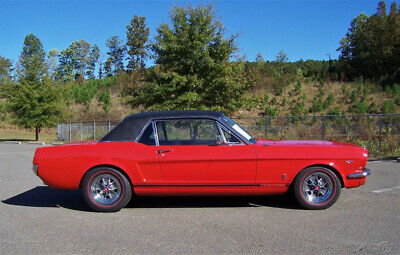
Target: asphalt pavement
35, 219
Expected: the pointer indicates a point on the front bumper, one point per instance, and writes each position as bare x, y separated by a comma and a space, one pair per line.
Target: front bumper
359, 175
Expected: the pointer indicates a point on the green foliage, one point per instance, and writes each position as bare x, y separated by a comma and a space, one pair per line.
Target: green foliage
281, 57
389, 107
317, 105
34, 104
136, 41
271, 110
83, 93
52, 61
298, 109
5, 69
328, 101
93, 59
74, 61
32, 59
371, 47
372, 108
105, 98
284, 100
194, 71
116, 54
297, 87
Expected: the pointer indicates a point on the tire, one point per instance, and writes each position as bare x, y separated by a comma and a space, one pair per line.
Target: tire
106, 189
316, 188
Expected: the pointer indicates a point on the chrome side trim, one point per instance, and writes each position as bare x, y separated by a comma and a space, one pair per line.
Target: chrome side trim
359, 175
139, 136
153, 123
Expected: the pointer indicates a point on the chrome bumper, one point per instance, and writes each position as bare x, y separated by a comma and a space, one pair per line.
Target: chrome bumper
359, 175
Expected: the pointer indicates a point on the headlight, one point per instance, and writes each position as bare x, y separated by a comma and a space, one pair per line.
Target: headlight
35, 169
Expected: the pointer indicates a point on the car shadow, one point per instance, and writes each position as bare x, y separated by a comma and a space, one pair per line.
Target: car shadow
43, 196
277, 201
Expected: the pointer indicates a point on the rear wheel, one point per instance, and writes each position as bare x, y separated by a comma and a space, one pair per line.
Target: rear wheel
106, 189
316, 188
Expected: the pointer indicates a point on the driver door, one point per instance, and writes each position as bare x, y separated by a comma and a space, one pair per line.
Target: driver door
191, 154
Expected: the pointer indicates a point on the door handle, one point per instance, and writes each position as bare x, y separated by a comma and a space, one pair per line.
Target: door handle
163, 151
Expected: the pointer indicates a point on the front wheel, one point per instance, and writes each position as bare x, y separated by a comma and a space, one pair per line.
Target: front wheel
316, 188
106, 189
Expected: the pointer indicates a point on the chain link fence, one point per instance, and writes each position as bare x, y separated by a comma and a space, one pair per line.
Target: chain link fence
379, 133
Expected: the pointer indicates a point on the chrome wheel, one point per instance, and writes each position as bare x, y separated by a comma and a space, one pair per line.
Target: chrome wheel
105, 189
317, 187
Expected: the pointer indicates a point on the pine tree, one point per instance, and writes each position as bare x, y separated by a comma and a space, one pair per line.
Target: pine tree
5, 68
74, 60
93, 59
32, 59
52, 61
35, 100
116, 54
137, 35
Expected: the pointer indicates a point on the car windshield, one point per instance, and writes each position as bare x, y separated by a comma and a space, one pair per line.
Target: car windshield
239, 129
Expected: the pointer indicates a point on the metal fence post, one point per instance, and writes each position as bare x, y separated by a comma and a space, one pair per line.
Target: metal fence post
62, 132
70, 126
109, 126
380, 134
323, 128
266, 127
80, 128
94, 130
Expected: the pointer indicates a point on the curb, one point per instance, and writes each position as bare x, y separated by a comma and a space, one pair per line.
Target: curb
57, 143
12, 142
39, 143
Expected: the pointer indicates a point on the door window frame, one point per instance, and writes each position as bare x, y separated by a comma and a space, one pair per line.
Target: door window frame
220, 126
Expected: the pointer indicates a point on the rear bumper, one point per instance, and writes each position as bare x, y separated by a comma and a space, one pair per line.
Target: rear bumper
359, 175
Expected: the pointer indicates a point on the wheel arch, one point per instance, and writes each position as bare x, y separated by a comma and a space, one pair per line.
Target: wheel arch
110, 166
334, 170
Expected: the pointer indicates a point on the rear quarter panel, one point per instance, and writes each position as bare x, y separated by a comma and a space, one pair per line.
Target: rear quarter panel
64, 166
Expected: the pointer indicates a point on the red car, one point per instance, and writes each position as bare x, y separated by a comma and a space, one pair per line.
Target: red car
198, 153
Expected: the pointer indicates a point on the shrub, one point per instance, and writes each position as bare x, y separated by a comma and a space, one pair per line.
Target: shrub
271, 111
389, 107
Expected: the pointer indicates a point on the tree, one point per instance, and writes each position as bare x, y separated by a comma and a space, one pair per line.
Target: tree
93, 59
74, 61
137, 35
371, 47
52, 61
259, 58
34, 100
5, 68
32, 59
116, 55
281, 57
193, 65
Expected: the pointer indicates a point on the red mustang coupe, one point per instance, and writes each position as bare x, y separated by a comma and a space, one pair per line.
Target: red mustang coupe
198, 153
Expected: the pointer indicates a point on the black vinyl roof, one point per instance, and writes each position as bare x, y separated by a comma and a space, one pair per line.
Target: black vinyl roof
129, 128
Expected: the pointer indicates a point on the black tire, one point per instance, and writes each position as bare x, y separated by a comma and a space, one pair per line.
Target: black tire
316, 188
106, 189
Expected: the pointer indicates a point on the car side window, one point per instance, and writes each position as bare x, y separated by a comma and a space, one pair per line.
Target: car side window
187, 132
148, 136
229, 137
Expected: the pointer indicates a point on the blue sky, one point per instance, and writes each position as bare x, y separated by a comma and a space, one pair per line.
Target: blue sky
303, 29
